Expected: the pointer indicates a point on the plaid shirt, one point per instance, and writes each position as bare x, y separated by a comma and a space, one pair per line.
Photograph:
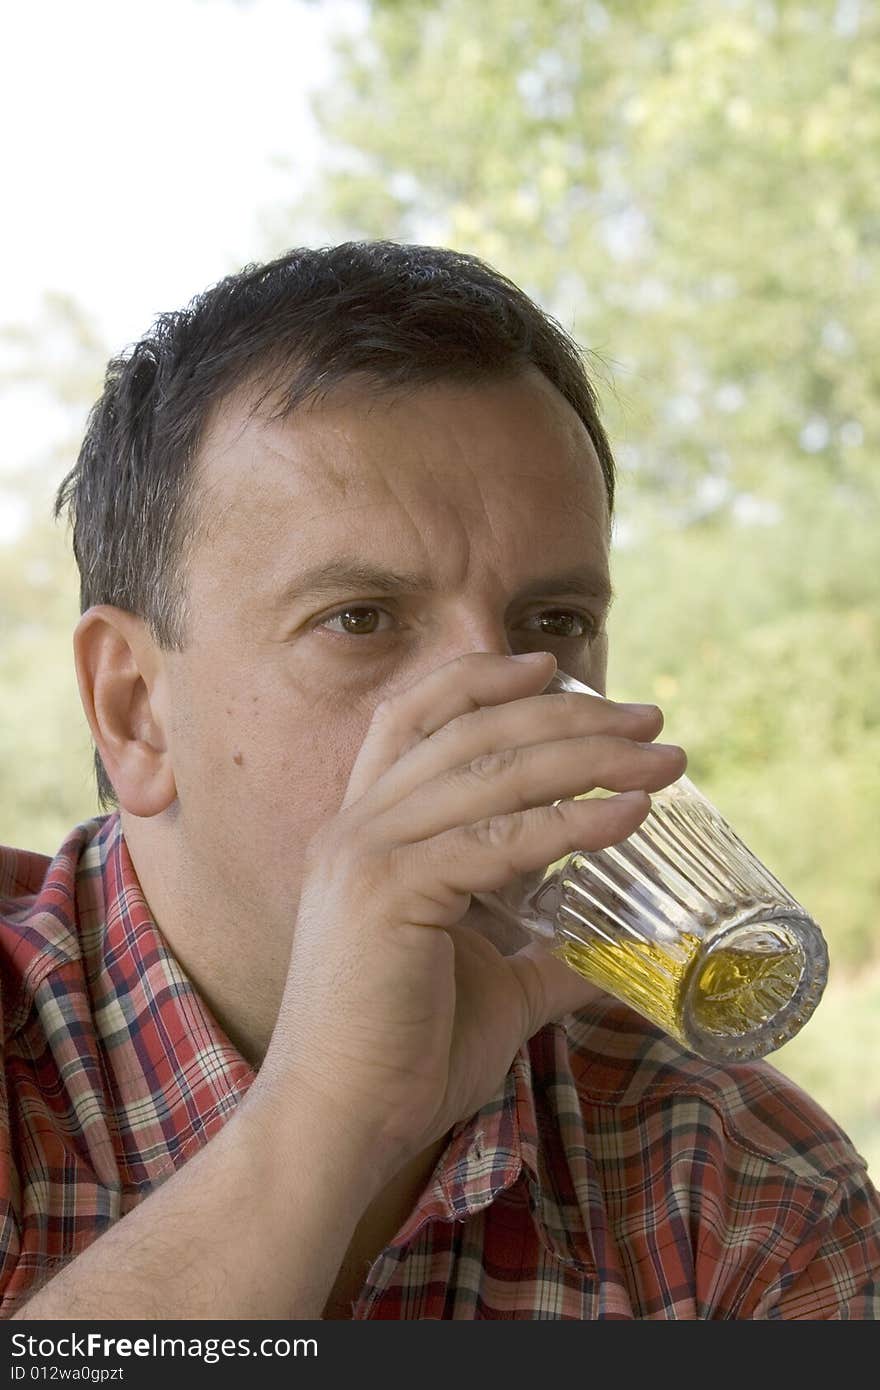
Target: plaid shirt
612, 1176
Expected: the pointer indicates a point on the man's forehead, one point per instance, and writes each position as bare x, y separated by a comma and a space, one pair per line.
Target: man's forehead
507, 428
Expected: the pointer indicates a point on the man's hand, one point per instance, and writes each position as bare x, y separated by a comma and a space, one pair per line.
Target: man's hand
397, 1017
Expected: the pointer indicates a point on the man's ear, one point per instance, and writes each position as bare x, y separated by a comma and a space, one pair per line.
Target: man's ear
123, 687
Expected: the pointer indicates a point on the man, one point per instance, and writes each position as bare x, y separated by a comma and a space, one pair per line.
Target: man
337, 523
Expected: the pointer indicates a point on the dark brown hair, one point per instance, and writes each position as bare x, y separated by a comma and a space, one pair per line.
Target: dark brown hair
396, 315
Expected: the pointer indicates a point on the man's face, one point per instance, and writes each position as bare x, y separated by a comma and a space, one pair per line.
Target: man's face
489, 505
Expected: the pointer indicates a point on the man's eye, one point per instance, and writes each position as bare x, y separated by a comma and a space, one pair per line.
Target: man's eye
355, 621
565, 623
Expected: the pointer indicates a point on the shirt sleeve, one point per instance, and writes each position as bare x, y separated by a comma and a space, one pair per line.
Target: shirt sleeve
10, 1189
833, 1273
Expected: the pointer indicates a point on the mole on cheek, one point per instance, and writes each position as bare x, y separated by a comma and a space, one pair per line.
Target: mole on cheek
237, 758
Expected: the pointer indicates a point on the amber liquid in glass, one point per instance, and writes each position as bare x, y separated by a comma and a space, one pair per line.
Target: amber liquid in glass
729, 991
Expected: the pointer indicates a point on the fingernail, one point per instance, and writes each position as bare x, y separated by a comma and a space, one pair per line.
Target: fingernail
662, 747
530, 656
638, 709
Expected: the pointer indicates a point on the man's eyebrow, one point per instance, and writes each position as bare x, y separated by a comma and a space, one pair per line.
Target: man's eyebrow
349, 575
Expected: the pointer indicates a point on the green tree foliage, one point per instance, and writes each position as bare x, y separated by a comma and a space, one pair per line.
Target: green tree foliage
46, 782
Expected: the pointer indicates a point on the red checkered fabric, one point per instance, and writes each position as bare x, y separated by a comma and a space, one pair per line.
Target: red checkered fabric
612, 1176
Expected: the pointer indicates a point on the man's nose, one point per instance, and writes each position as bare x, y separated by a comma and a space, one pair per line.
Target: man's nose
477, 633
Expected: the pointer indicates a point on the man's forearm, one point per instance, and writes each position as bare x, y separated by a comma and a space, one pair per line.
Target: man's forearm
254, 1226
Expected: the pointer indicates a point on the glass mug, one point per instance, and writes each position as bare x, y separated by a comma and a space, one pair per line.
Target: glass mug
681, 922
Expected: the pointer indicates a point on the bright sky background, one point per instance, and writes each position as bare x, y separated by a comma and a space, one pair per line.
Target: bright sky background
143, 141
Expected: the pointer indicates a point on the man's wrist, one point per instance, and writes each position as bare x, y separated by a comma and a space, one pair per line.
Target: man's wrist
298, 1131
